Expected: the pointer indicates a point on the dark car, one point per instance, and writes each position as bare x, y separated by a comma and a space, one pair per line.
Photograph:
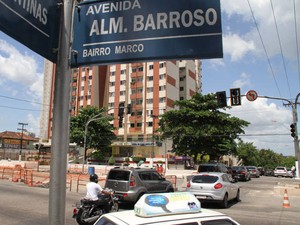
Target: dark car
212, 167
261, 170
240, 173
131, 183
269, 172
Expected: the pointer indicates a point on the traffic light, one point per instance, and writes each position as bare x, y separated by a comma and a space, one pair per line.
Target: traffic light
120, 121
293, 129
235, 96
129, 109
121, 109
221, 99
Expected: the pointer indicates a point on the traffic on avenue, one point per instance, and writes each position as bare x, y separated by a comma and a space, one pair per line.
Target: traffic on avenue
262, 201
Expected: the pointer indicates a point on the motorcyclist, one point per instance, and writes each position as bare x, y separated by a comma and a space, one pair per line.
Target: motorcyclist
94, 192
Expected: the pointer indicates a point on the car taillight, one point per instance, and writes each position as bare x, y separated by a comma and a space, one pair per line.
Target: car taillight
218, 186
74, 211
188, 185
243, 172
132, 181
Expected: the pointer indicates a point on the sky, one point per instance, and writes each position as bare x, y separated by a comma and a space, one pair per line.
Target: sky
261, 45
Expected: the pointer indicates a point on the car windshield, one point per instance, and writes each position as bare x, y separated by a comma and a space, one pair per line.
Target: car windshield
205, 179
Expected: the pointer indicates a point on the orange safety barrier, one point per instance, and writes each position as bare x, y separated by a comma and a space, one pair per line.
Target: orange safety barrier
82, 180
172, 179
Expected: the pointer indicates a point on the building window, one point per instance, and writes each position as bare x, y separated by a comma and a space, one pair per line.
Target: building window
149, 101
141, 69
140, 79
162, 76
161, 65
162, 88
139, 113
150, 78
122, 93
123, 71
111, 105
133, 91
149, 124
140, 90
112, 73
132, 125
122, 82
149, 89
139, 124
181, 88
111, 84
133, 69
150, 67
181, 98
133, 80
161, 100
111, 94
149, 112
139, 101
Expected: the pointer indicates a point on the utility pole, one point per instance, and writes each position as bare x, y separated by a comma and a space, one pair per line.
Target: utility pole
295, 120
21, 144
61, 119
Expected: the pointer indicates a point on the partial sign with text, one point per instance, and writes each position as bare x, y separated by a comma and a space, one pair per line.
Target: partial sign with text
143, 30
34, 23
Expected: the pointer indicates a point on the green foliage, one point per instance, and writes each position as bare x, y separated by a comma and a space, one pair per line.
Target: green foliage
199, 127
99, 131
266, 158
111, 160
137, 159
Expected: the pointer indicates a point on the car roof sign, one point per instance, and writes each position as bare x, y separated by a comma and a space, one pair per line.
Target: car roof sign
159, 204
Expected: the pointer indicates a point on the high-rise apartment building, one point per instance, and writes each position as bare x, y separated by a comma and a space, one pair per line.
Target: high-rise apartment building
148, 89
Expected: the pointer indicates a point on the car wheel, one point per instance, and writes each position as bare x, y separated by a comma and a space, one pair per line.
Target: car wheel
237, 198
224, 203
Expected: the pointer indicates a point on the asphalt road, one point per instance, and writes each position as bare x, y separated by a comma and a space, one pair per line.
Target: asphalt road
261, 203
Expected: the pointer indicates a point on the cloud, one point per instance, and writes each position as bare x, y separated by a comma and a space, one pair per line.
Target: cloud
243, 81
237, 47
284, 23
19, 69
269, 128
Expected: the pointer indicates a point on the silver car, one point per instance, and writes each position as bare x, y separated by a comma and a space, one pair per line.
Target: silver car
214, 187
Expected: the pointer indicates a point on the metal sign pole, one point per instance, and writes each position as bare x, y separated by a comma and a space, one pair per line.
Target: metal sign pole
60, 129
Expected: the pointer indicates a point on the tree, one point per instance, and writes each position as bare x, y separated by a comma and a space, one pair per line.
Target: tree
248, 153
198, 126
99, 133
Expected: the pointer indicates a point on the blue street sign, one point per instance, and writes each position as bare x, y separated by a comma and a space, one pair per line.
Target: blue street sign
34, 23
141, 30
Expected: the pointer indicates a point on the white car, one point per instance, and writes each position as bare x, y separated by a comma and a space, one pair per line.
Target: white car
178, 208
214, 187
280, 171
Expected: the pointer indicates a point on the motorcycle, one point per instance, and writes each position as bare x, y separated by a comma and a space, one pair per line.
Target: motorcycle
87, 212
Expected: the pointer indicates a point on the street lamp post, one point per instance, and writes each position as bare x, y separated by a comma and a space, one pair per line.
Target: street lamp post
96, 117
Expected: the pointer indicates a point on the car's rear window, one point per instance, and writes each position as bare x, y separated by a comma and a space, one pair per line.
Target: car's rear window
207, 168
204, 179
280, 168
118, 175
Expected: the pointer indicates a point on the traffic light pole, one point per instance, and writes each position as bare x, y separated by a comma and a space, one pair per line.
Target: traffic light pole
295, 120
